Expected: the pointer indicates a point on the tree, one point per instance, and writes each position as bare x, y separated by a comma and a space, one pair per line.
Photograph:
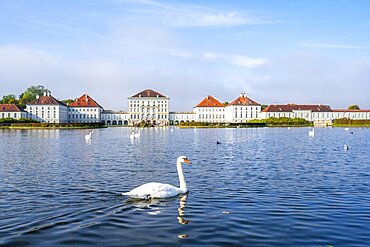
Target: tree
353, 107
68, 101
9, 99
263, 107
225, 103
30, 94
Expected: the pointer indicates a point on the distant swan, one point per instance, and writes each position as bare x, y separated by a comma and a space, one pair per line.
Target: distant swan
137, 135
195, 129
159, 190
346, 147
346, 129
132, 136
88, 136
311, 133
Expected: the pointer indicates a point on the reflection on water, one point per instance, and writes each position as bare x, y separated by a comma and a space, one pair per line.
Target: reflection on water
181, 210
259, 187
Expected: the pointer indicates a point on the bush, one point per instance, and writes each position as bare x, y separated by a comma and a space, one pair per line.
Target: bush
283, 121
351, 122
21, 120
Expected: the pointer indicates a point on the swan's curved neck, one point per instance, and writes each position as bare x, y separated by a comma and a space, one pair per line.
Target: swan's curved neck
183, 186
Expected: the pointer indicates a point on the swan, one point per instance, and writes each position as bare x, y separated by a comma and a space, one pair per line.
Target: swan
346, 147
159, 190
195, 129
311, 133
88, 136
132, 136
137, 135
346, 129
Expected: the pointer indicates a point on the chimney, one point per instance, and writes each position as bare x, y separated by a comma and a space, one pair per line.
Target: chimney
275, 103
45, 93
87, 98
37, 96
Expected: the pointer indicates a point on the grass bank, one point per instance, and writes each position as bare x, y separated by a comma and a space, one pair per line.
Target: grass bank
220, 125
283, 122
345, 122
52, 125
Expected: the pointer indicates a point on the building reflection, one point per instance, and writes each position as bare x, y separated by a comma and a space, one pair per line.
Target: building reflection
181, 210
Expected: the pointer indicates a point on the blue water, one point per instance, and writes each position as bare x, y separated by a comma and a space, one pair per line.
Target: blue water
260, 187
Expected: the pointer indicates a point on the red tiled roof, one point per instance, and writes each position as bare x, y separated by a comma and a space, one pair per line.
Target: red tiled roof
339, 110
243, 100
210, 101
148, 93
293, 107
9, 108
46, 100
85, 101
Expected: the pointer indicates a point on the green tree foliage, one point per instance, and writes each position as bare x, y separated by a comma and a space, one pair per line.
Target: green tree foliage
283, 121
9, 99
353, 107
225, 103
30, 94
68, 101
263, 107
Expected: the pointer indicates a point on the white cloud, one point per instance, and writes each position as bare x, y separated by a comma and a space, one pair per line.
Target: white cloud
233, 59
191, 15
330, 45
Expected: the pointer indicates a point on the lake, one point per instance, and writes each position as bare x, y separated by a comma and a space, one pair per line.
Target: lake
259, 187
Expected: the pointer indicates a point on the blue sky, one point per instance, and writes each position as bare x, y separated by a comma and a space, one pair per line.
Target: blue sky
275, 51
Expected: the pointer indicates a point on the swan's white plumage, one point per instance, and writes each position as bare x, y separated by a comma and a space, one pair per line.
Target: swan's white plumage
159, 190
154, 190
88, 136
311, 133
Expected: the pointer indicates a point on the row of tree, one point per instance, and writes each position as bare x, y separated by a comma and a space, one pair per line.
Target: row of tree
27, 96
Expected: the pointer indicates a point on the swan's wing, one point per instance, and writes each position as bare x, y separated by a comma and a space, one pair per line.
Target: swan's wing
154, 190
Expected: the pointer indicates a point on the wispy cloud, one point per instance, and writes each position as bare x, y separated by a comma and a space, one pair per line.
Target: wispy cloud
233, 59
330, 45
191, 15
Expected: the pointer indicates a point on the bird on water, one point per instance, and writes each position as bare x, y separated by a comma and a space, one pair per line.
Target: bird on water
159, 190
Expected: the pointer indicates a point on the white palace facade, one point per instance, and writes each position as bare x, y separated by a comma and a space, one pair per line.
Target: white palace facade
154, 107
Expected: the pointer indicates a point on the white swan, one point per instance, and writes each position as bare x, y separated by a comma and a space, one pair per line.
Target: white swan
132, 136
88, 136
311, 133
195, 129
159, 190
137, 135
346, 129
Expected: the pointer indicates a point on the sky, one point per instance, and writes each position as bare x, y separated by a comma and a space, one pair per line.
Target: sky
291, 51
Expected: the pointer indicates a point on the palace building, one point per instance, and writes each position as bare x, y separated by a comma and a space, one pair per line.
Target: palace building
149, 106
210, 110
47, 109
242, 109
11, 111
154, 107
84, 110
